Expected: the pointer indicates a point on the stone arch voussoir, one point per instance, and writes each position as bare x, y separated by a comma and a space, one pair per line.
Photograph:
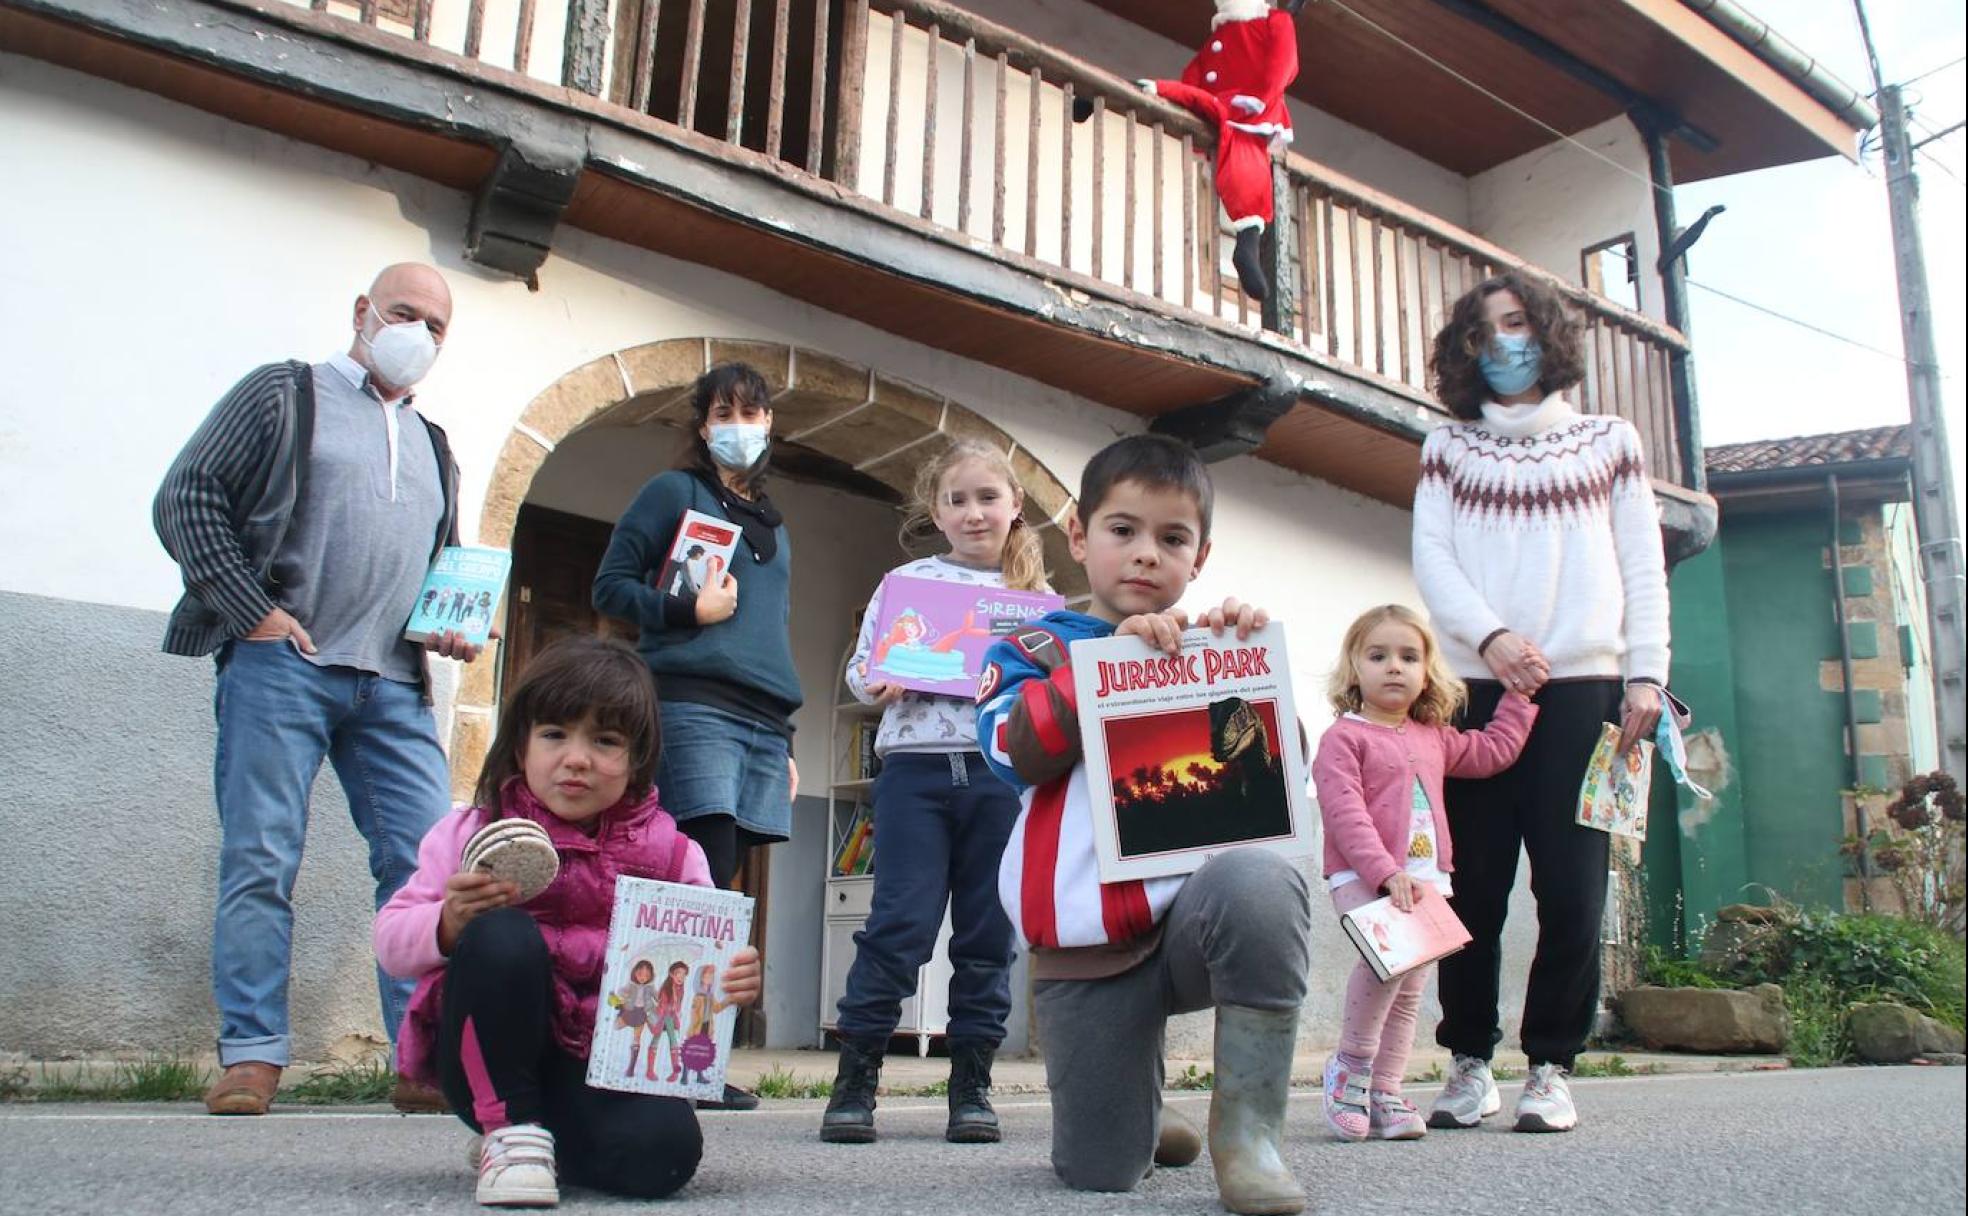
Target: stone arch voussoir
882, 427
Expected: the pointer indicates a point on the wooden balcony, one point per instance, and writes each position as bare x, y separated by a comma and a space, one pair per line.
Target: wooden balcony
904, 162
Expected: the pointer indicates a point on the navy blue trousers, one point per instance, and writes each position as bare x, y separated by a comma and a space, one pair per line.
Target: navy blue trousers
941, 823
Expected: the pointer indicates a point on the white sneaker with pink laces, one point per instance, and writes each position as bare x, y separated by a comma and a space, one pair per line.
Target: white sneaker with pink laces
516, 1168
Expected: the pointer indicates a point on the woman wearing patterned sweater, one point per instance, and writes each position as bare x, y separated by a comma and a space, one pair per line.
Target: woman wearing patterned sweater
1537, 549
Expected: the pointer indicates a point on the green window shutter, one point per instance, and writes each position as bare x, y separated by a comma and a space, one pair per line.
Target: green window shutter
1857, 580
1863, 636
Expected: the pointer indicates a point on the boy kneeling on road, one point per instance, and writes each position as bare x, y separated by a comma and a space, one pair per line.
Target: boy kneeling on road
1112, 961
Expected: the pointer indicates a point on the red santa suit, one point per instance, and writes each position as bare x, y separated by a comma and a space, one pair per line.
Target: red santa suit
1237, 82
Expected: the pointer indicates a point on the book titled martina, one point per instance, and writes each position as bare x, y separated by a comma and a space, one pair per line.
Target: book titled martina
662, 1025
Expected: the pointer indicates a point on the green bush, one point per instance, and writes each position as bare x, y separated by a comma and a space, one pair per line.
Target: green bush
1663, 970
1863, 957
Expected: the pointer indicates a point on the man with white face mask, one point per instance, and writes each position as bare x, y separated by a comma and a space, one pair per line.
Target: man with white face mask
304, 515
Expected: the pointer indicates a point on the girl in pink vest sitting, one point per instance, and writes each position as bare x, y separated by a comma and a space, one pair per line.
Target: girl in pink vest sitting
505, 1005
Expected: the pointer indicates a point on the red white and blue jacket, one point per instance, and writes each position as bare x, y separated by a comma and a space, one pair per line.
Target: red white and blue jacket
1029, 733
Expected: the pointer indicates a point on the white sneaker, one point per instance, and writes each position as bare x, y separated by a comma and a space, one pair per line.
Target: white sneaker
1393, 1117
1469, 1098
1547, 1102
516, 1168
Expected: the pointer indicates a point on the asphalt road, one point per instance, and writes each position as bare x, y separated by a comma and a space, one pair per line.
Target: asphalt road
1887, 1140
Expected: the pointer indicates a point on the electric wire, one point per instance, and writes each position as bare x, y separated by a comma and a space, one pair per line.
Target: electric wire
1651, 185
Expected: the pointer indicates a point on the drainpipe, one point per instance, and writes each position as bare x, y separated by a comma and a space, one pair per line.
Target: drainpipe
1780, 53
1851, 698
1674, 304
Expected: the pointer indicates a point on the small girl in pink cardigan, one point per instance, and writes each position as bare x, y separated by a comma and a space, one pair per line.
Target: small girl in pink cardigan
1379, 775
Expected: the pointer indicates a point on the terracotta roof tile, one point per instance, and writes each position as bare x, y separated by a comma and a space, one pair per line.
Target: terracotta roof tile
1810, 451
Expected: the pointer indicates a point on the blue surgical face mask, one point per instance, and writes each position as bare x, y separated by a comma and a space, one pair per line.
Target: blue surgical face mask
1512, 364
737, 445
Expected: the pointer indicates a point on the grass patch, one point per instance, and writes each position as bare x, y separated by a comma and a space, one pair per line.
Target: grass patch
1192, 1078
781, 1083
149, 1078
365, 1082
1611, 1066
1819, 1035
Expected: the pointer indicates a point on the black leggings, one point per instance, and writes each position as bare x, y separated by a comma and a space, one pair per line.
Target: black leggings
498, 1065
1535, 803
724, 844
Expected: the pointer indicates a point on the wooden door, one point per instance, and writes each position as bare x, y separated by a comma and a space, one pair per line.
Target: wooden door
555, 556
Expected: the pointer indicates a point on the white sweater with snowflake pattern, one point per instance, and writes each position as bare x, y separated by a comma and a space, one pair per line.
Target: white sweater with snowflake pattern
1542, 521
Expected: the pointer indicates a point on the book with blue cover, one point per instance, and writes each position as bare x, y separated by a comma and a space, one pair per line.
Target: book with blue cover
460, 594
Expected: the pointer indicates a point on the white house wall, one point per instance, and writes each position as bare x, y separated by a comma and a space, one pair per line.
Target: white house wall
1550, 205
158, 252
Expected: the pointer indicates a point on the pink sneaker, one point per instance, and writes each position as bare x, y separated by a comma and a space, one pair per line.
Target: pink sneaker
1346, 1102
1393, 1117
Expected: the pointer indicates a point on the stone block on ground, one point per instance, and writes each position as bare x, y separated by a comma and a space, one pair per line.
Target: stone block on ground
1886, 1032
1716, 1020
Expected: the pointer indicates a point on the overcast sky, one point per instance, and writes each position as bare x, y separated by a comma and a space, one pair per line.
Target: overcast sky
1814, 240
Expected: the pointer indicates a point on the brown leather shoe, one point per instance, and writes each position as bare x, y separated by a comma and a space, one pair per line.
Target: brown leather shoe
243, 1089
416, 1098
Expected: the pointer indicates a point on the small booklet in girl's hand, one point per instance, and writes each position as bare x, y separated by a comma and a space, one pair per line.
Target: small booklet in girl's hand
1395, 942
1613, 797
661, 1026
460, 594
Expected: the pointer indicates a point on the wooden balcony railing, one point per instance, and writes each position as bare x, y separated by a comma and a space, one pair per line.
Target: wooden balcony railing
1017, 146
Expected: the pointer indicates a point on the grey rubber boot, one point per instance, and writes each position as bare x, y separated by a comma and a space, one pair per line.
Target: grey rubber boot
972, 1121
850, 1117
1247, 1110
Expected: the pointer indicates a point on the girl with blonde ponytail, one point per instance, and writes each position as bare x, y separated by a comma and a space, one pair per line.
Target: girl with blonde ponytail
941, 817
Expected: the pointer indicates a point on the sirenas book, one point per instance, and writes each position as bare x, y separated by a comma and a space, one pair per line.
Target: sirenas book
460, 594
1395, 942
932, 635
661, 1026
1192, 754
699, 553
1613, 796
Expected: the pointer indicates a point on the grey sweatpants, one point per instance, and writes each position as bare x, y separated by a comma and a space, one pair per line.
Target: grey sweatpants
1238, 933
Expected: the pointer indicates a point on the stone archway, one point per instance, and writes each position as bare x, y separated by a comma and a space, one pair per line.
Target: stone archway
881, 427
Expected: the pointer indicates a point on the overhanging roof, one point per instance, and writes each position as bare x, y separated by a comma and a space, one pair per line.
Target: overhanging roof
1672, 55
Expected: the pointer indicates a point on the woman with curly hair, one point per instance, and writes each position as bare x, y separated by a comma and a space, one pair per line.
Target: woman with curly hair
1537, 549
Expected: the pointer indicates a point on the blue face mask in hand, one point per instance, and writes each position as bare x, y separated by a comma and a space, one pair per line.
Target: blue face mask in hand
1512, 364
737, 445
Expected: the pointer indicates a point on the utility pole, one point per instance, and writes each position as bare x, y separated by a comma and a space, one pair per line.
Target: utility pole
1936, 522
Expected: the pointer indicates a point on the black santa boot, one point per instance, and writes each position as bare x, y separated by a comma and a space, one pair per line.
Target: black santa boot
1250, 263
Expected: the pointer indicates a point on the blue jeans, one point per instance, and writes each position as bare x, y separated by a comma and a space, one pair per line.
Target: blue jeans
715, 763
941, 823
279, 716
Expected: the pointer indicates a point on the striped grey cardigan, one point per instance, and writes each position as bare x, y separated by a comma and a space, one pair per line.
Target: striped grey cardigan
225, 503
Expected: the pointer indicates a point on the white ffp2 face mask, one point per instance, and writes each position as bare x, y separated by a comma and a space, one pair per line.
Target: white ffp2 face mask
402, 353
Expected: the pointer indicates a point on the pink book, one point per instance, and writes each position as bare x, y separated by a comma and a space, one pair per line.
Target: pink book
932, 635
1395, 942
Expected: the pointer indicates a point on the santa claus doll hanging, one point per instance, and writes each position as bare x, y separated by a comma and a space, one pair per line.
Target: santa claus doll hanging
1237, 84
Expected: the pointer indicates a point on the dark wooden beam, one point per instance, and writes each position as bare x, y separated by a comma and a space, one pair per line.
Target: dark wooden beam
519, 204
1231, 425
1638, 104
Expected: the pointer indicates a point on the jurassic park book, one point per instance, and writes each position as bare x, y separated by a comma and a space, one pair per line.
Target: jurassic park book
461, 594
662, 1026
1189, 755
1395, 942
932, 635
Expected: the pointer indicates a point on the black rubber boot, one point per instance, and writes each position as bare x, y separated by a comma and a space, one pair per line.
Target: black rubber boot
972, 1121
850, 1117
1250, 266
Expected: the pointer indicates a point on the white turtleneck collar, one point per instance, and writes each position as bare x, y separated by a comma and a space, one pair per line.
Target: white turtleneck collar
1239, 10
1517, 421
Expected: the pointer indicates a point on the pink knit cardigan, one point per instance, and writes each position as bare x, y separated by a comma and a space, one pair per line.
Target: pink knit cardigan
1365, 773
